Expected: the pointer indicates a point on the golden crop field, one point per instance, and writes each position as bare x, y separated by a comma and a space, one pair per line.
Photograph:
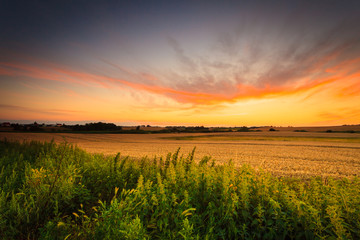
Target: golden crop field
284, 153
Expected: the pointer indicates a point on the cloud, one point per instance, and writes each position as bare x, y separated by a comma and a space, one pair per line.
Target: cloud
246, 64
197, 96
240, 69
40, 111
343, 113
138, 77
183, 59
25, 70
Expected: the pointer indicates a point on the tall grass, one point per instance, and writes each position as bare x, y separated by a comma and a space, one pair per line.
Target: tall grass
50, 191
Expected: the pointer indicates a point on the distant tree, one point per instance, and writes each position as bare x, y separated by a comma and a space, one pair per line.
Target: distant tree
272, 129
137, 128
35, 128
17, 127
99, 126
243, 129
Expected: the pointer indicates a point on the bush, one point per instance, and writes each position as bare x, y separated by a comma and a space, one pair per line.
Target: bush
243, 129
51, 191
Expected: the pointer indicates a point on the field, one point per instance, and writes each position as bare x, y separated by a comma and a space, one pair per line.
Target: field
283, 153
226, 185
57, 191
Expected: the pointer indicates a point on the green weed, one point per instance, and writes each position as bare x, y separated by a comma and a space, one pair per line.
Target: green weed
50, 191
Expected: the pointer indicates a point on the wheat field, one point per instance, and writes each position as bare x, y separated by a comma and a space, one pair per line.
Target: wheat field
300, 154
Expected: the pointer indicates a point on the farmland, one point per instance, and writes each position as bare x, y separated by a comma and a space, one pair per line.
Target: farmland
57, 191
283, 153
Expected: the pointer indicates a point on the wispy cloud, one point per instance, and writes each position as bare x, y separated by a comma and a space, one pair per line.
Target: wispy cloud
59, 112
193, 95
236, 69
342, 113
272, 58
182, 58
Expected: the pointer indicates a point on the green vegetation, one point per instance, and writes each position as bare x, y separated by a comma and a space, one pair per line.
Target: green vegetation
99, 126
50, 191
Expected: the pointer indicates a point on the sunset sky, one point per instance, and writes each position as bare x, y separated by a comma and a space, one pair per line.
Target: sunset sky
211, 63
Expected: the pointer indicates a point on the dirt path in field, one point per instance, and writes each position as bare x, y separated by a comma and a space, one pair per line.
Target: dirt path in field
322, 156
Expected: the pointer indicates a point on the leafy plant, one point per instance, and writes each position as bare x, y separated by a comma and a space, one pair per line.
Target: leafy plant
51, 191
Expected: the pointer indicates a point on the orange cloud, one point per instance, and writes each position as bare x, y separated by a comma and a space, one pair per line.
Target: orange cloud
16, 69
242, 91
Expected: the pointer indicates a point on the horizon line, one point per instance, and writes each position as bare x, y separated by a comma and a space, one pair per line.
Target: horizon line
134, 124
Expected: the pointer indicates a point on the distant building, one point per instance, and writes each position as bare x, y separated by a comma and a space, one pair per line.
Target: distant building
5, 124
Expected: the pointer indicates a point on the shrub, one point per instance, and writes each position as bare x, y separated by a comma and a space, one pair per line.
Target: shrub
51, 191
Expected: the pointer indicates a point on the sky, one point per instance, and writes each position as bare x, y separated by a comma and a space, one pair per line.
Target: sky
210, 63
